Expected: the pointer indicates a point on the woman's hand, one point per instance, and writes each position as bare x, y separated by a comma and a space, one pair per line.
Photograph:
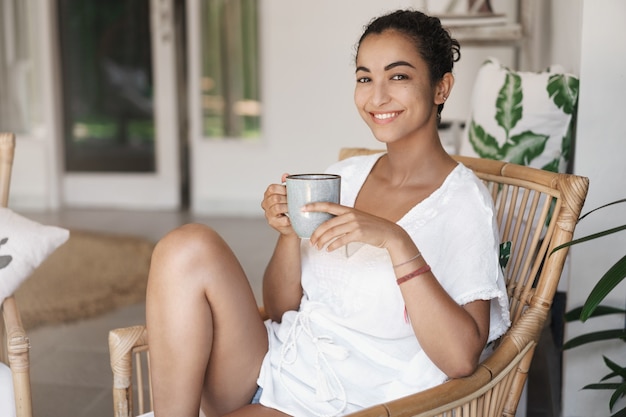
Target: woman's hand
275, 206
352, 225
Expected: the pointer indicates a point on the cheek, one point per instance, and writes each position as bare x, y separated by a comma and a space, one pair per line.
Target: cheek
358, 97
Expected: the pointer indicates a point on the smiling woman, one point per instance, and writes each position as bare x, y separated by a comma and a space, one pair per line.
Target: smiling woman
344, 332
390, 86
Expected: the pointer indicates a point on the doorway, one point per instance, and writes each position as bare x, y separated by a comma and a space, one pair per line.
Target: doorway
122, 81
107, 83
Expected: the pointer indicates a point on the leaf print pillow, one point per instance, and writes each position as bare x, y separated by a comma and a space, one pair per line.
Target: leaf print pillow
24, 245
522, 117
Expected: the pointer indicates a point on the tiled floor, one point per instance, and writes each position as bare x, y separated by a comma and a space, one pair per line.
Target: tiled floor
70, 369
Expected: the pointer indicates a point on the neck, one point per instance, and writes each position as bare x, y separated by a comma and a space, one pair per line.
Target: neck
417, 163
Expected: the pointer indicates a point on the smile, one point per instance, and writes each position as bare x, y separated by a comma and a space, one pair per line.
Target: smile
385, 116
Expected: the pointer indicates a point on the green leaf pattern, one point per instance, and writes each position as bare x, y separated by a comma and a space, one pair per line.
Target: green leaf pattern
563, 90
509, 102
5, 260
524, 147
484, 144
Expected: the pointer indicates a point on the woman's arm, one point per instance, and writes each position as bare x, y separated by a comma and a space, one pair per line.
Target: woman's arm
282, 289
452, 336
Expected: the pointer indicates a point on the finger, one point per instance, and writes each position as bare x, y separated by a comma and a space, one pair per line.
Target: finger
275, 208
280, 222
339, 242
326, 207
277, 189
267, 203
271, 190
270, 199
332, 233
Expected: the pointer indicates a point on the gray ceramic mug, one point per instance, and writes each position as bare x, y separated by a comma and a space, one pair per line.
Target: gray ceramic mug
310, 188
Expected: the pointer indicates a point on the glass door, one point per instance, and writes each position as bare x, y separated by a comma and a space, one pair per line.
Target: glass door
120, 103
224, 103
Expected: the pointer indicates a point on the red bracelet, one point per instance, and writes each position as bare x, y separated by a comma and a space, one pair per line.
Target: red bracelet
413, 274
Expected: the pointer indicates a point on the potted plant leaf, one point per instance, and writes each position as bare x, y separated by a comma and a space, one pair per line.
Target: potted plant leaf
615, 380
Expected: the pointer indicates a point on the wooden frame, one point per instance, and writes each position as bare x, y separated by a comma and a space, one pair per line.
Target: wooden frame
15, 347
536, 211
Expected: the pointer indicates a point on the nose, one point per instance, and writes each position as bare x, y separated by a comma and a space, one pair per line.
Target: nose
380, 94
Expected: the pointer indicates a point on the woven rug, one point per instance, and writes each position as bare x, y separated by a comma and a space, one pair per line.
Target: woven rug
89, 275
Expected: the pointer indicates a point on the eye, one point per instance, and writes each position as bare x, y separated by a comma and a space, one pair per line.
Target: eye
363, 80
400, 77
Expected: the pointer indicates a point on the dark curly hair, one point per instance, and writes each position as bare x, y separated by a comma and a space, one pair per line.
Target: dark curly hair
434, 44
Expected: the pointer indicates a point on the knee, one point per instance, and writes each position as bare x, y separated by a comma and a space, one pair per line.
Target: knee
187, 247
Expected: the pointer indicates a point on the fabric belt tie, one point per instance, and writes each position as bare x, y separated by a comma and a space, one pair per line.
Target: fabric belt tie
328, 387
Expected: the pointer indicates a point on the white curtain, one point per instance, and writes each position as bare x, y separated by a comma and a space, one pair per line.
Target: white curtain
17, 88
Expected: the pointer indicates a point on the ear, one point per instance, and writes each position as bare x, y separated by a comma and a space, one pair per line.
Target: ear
444, 88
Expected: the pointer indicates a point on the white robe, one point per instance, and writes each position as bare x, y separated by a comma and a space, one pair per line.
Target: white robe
350, 345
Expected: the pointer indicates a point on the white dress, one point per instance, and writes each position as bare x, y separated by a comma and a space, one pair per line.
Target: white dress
350, 345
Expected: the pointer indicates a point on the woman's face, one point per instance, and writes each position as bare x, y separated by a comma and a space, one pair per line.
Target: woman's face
393, 91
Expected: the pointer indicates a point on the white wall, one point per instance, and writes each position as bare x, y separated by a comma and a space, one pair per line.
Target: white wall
600, 153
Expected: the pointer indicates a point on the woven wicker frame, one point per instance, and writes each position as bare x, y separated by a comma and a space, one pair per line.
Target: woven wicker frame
15, 346
537, 211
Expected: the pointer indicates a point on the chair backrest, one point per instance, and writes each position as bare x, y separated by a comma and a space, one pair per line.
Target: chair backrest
7, 150
536, 211
15, 346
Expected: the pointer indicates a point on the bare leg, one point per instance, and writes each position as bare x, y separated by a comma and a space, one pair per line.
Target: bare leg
207, 340
256, 410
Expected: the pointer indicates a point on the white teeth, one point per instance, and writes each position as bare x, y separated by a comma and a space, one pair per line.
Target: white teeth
384, 116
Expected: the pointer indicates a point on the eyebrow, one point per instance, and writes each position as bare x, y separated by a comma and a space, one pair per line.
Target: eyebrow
387, 67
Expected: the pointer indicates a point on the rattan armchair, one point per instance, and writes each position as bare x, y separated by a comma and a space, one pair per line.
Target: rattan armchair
536, 211
15, 347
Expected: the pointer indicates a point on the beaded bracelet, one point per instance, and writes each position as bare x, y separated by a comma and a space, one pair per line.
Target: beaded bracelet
417, 272
410, 260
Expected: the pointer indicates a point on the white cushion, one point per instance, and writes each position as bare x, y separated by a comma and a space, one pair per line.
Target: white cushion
7, 398
522, 117
24, 245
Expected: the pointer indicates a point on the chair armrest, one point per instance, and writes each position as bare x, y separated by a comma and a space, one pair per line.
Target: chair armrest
498, 372
122, 343
17, 349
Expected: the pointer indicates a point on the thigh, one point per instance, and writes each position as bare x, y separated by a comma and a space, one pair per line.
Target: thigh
239, 337
204, 318
256, 410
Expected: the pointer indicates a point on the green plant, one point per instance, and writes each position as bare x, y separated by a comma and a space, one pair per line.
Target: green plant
592, 307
